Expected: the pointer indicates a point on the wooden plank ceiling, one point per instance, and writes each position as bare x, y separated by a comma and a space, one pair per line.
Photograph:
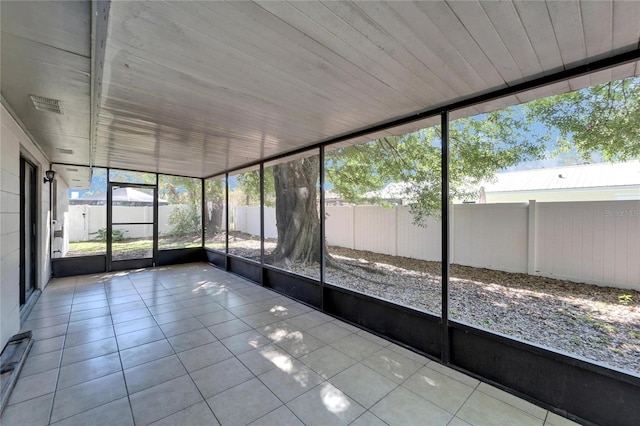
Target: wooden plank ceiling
197, 88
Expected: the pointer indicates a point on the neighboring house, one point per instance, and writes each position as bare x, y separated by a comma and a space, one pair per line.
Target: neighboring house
588, 182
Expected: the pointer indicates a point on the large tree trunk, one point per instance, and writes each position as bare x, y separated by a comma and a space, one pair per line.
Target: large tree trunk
297, 219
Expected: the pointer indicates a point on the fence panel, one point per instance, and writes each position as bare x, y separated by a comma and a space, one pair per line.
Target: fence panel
339, 226
375, 229
418, 242
596, 242
493, 236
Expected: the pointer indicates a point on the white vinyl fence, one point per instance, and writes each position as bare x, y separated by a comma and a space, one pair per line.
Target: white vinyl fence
84, 221
596, 242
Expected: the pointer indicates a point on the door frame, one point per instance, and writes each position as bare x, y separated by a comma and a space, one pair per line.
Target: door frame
32, 261
117, 265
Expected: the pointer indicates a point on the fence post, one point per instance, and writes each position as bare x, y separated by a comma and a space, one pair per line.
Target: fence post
353, 228
395, 246
531, 247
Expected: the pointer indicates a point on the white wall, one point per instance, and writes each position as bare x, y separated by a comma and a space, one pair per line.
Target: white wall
595, 242
13, 142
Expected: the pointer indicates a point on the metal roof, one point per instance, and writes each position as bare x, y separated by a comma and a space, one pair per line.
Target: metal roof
198, 88
596, 175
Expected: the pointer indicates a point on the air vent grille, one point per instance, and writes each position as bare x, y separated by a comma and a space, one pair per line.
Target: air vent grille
69, 169
46, 104
64, 151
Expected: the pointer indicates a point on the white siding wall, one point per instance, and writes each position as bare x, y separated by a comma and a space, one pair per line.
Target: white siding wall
13, 142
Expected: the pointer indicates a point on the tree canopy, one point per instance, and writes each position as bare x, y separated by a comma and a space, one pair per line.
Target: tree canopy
602, 120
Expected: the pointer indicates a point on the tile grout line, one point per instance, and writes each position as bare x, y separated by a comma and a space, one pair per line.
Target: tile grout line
64, 341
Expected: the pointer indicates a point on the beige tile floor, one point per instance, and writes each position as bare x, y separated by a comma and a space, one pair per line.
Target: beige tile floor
193, 345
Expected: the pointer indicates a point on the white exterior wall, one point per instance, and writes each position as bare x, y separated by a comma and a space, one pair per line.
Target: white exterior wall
550, 195
13, 142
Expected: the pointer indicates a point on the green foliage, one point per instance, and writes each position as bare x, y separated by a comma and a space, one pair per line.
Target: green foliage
602, 119
249, 182
479, 147
187, 193
625, 299
117, 235
185, 221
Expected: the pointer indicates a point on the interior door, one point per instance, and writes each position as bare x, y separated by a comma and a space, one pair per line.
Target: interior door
28, 229
132, 211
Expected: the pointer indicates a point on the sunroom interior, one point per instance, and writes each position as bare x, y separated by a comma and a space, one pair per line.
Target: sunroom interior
342, 155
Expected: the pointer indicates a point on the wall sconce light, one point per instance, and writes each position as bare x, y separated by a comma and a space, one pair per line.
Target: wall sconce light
49, 175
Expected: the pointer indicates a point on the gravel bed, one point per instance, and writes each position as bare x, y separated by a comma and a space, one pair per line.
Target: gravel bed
597, 323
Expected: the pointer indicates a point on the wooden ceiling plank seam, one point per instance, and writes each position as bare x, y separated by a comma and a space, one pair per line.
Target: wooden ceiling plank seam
441, 73
626, 24
454, 30
292, 123
579, 82
430, 35
474, 19
597, 23
393, 35
293, 17
312, 75
333, 81
624, 71
567, 25
135, 88
39, 22
362, 49
600, 77
285, 97
195, 71
506, 21
536, 21
313, 51
221, 106
333, 38
379, 38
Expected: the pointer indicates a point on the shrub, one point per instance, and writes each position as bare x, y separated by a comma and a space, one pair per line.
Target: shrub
116, 234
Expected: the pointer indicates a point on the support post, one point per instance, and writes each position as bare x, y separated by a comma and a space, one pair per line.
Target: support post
444, 164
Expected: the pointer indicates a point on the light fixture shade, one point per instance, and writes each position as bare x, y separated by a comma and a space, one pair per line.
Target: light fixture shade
49, 176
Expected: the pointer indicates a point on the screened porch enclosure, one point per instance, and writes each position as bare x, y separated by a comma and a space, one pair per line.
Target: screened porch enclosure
517, 281
458, 179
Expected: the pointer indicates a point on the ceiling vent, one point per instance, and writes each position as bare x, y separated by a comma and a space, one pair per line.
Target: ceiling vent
46, 104
69, 169
64, 151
